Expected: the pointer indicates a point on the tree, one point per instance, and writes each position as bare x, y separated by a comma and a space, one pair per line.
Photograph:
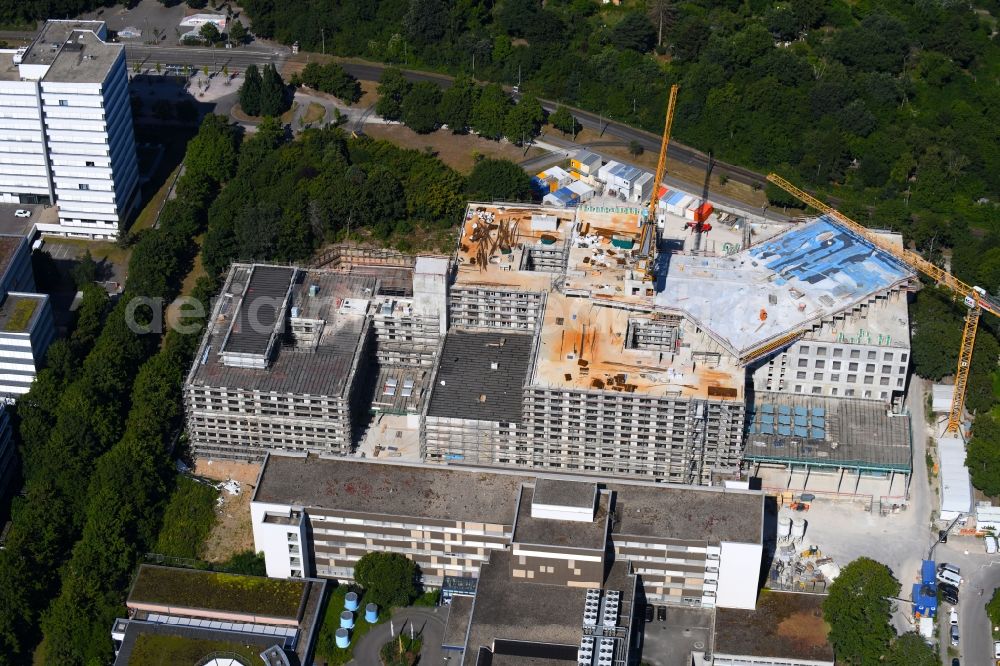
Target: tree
455, 107
911, 650
237, 33
634, 148
634, 32
274, 99
85, 271
331, 78
210, 32
937, 334
662, 13
420, 107
389, 579
859, 611
426, 21
250, 91
392, 88
490, 111
493, 179
524, 120
564, 121
982, 456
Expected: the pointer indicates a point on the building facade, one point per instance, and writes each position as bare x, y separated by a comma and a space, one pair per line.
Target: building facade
560, 531
27, 327
66, 135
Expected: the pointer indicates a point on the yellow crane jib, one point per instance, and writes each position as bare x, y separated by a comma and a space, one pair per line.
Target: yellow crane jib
975, 298
647, 247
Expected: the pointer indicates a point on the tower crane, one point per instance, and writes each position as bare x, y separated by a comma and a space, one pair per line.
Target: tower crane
647, 246
975, 298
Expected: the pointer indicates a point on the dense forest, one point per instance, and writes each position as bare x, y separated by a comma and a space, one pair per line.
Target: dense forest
891, 107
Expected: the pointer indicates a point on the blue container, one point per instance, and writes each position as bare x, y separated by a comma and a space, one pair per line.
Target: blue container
347, 620
371, 613
351, 601
343, 638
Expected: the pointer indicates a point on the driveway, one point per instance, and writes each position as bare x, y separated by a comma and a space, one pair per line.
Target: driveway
979, 572
426, 621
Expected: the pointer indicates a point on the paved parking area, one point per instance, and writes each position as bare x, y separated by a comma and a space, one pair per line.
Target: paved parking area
670, 642
150, 16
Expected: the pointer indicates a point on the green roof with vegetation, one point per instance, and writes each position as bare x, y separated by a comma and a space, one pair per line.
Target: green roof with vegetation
20, 315
218, 591
155, 650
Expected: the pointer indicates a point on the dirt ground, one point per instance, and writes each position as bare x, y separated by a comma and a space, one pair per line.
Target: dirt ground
677, 169
456, 150
232, 532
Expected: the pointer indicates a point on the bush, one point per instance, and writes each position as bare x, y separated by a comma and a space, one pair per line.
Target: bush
499, 179
389, 579
331, 78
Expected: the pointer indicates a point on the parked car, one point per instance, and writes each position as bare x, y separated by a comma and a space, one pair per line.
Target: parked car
950, 577
991, 545
954, 635
20, 212
996, 649
947, 566
953, 617
954, 662
649, 613
950, 595
661, 613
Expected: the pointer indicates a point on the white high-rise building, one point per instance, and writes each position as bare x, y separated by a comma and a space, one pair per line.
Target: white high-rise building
66, 133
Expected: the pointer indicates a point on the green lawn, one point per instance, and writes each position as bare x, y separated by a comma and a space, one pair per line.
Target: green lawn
327, 646
21, 315
218, 591
154, 650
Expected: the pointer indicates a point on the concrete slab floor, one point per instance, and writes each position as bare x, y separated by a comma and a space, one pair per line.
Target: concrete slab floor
670, 642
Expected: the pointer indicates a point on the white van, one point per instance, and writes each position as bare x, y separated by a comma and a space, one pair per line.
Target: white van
991, 545
945, 576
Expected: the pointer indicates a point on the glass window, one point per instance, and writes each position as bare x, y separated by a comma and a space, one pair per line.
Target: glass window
887, 356
798, 388
870, 367
902, 369
800, 374
803, 362
868, 394
833, 391
804, 349
871, 355
838, 352
849, 393
855, 353
883, 381
820, 364
887, 369
816, 390
852, 366
899, 383
817, 376
903, 358
869, 379
836, 365
851, 379
820, 351
834, 378
882, 395
64, 102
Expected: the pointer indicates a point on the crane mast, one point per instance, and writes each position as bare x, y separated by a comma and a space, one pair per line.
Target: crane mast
648, 244
975, 298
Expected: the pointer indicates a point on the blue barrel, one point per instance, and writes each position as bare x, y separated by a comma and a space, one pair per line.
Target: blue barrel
343, 638
371, 613
351, 601
347, 620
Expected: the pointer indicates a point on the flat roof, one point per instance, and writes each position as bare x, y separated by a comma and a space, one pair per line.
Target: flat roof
827, 431
585, 345
457, 626
468, 386
518, 610
260, 302
212, 591
490, 495
8, 250
8, 70
319, 368
557, 492
679, 512
782, 285
186, 641
491, 246
785, 625
19, 311
592, 535
84, 58
399, 489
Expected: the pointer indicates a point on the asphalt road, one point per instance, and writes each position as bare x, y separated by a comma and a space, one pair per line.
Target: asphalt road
429, 623
235, 59
240, 58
